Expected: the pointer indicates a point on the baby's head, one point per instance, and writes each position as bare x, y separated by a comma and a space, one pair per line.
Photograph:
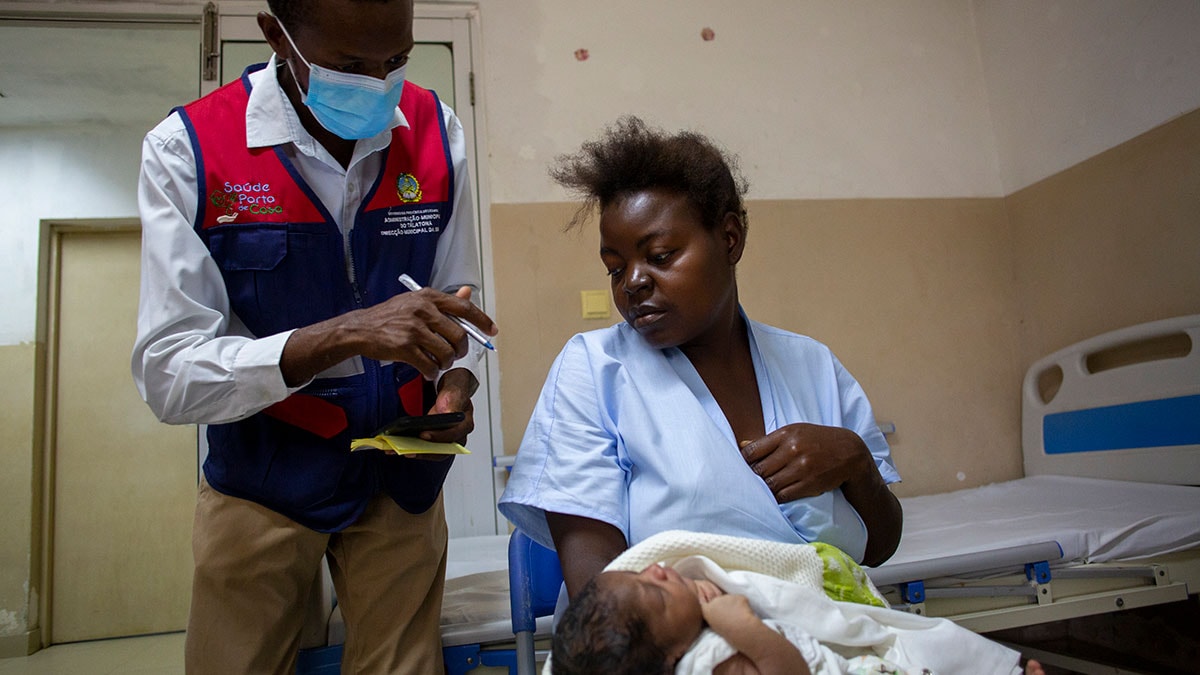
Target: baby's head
622, 622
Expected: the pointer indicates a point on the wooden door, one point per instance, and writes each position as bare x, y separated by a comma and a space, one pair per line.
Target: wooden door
124, 484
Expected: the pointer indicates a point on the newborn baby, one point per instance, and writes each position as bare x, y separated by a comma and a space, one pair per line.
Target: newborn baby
650, 622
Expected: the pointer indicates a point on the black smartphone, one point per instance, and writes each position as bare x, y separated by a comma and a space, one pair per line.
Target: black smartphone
415, 424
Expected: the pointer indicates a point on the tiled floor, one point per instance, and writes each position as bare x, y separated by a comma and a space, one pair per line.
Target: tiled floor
148, 655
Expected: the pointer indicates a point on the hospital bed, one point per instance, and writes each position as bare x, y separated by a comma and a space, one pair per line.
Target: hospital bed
1107, 517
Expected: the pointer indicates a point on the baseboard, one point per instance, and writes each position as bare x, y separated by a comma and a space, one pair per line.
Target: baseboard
22, 644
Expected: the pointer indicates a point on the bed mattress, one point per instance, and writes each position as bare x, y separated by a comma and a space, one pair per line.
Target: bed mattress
1091, 520
475, 604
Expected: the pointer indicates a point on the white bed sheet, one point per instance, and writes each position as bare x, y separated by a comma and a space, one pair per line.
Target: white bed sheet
475, 602
1092, 520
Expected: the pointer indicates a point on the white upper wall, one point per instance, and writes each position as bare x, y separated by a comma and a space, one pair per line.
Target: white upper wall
80, 172
819, 98
1069, 79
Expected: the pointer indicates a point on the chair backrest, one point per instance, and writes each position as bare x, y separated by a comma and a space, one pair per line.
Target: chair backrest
534, 577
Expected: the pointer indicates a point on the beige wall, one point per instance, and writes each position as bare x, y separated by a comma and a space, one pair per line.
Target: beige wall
18, 555
936, 305
1111, 242
914, 296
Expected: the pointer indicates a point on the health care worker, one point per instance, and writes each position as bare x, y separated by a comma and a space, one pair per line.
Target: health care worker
278, 213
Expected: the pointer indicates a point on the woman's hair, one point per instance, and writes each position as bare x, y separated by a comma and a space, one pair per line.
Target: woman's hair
597, 635
631, 156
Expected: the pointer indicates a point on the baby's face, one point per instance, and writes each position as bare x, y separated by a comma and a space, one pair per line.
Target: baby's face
669, 602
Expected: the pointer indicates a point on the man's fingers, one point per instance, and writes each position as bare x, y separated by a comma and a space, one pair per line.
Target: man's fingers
465, 309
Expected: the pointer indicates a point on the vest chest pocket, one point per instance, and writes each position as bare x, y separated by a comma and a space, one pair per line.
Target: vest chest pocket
280, 277
246, 250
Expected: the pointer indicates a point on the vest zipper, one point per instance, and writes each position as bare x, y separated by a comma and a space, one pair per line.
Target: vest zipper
371, 368
348, 247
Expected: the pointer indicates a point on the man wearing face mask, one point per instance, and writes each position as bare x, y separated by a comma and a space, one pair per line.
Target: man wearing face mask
278, 214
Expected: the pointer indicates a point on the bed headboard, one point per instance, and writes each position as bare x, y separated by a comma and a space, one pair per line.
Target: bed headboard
1123, 405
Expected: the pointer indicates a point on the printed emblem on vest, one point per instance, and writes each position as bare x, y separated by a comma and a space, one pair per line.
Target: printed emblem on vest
233, 198
408, 188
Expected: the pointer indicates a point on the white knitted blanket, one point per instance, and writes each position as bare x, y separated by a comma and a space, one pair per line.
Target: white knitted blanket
797, 563
784, 584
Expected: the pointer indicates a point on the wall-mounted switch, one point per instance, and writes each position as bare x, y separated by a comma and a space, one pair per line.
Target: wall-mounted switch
595, 304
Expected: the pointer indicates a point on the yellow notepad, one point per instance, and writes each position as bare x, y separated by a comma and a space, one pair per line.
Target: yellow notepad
407, 445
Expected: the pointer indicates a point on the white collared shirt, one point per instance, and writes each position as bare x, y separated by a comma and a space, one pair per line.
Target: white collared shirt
193, 360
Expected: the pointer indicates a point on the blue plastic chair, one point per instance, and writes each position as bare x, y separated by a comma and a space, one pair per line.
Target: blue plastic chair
534, 579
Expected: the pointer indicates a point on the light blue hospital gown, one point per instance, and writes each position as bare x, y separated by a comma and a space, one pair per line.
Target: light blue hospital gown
629, 435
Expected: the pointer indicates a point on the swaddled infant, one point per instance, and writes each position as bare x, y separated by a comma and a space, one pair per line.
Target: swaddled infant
646, 622
675, 618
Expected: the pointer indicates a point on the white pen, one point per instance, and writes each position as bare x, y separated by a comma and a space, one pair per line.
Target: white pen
474, 332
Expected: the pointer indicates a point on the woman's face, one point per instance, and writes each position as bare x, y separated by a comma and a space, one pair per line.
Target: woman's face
672, 278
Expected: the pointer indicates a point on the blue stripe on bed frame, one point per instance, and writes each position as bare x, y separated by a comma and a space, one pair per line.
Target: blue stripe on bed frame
1146, 424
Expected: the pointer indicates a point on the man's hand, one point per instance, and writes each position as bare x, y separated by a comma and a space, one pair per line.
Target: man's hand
454, 395
413, 328
416, 328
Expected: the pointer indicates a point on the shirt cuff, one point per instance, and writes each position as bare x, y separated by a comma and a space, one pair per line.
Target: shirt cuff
473, 361
256, 367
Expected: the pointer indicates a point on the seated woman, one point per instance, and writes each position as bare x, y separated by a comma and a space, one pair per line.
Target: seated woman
690, 415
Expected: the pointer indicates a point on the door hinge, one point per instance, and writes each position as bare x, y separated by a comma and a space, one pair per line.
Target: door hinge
210, 53
471, 82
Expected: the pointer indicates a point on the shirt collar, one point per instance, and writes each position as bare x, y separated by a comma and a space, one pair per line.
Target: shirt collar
271, 119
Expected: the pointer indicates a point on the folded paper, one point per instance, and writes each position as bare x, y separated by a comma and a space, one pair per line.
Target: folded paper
407, 445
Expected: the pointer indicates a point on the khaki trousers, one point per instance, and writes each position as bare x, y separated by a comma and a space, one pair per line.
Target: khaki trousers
256, 570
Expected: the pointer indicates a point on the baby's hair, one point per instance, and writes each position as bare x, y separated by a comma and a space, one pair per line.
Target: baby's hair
595, 635
630, 156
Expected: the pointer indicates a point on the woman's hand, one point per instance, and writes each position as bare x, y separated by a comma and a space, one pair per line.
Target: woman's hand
805, 460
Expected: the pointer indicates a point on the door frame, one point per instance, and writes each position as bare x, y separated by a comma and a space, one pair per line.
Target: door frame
50, 237
50, 231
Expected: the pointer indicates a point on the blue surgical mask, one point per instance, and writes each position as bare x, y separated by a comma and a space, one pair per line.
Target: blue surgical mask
350, 106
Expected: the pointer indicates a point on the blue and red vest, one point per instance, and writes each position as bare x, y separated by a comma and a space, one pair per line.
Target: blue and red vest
283, 260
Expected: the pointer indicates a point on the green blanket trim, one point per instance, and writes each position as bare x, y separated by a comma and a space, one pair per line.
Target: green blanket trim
844, 579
